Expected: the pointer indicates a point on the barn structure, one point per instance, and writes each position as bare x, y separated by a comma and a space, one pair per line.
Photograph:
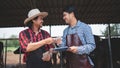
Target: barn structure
13, 13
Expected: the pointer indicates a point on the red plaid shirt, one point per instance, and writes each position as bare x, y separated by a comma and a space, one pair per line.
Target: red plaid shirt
24, 40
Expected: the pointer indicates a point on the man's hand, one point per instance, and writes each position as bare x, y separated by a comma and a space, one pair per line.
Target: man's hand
49, 40
46, 56
57, 41
73, 49
52, 40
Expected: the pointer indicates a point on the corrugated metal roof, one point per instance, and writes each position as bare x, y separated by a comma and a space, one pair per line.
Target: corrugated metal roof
13, 12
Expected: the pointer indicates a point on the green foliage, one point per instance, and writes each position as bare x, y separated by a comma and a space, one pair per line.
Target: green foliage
114, 30
14, 42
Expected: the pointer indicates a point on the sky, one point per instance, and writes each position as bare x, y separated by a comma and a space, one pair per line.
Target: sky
55, 30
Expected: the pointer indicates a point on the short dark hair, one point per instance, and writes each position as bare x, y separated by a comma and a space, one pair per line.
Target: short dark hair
30, 23
70, 9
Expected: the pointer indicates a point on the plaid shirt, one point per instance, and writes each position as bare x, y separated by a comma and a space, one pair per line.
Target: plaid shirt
25, 40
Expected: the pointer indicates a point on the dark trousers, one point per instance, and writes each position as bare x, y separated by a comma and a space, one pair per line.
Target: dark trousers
38, 64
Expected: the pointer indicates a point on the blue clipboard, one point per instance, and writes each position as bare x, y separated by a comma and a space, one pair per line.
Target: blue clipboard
61, 49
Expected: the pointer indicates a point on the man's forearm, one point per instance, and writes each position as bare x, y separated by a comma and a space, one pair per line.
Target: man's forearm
35, 45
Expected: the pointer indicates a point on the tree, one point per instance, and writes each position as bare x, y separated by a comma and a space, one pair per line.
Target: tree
14, 42
114, 30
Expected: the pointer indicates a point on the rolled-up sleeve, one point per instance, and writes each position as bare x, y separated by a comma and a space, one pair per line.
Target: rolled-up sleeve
89, 44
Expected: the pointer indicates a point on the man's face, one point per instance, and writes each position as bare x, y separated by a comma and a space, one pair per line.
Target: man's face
66, 17
38, 21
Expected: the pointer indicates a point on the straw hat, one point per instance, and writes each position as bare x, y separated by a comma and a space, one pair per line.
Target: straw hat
34, 13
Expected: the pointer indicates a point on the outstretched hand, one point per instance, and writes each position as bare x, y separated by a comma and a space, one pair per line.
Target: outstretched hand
57, 41
49, 40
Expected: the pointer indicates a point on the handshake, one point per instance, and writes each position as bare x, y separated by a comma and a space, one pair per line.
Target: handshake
51, 40
48, 54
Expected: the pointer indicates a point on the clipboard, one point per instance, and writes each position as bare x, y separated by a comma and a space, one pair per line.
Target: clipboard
61, 49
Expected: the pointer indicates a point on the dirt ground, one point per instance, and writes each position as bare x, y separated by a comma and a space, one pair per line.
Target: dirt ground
12, 58
12, 61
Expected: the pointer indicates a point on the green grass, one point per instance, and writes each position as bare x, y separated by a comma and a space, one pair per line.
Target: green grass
11, 49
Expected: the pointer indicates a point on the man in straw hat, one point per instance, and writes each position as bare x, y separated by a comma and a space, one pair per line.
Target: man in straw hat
35, 42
